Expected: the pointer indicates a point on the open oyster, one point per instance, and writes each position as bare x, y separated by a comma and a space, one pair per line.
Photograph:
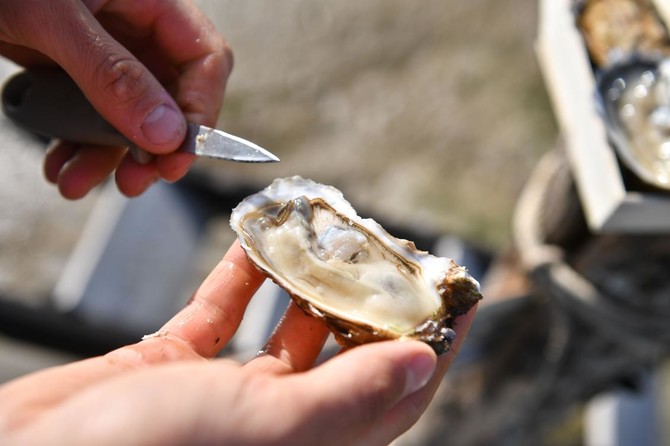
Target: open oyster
635, 97
618, 28
348, 271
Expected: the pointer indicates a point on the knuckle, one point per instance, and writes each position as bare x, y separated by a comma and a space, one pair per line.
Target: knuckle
219, 64
369, 404
219, 60
122, 79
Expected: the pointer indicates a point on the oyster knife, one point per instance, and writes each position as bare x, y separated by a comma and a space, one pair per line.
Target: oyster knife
46, 101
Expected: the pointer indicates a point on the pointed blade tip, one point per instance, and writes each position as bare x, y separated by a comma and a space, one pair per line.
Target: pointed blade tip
215, 143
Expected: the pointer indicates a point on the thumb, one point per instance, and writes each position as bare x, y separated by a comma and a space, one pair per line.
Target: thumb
354, 390
118, 85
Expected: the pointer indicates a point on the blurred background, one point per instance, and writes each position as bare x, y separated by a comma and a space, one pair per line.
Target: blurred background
429, 115
426, 115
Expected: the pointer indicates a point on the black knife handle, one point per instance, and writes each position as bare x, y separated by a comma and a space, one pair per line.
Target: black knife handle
46, 101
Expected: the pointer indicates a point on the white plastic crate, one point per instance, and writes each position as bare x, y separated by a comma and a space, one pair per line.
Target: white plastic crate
564, 61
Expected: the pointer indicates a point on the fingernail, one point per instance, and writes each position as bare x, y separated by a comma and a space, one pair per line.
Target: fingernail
163, 125
419, 371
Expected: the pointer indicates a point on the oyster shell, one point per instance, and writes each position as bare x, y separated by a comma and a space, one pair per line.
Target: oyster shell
613, 29
348, 271
635, 99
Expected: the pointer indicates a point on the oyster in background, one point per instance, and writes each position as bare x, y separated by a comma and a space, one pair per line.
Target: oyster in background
635, 96
628, 43
616, 29
365, 284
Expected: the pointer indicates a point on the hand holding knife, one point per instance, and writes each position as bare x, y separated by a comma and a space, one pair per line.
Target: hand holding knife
46, 101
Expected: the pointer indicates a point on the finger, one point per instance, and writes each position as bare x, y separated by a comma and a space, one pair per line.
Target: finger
185, 37
215, 311
87, 168
58, 153
173, 166
357, 388
294, 345
133, 178
117, 84
408, 410
198, 331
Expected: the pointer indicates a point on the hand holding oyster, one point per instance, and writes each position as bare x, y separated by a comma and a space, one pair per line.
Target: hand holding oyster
365, 284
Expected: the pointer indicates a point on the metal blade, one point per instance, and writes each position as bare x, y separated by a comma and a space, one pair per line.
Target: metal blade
214, 143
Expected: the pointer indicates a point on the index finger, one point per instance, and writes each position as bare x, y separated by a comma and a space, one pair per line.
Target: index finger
215, 310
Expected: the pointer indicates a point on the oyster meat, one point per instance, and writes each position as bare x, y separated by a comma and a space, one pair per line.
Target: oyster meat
365, 284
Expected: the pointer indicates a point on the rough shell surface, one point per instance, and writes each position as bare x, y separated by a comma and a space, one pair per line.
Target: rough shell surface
613, 29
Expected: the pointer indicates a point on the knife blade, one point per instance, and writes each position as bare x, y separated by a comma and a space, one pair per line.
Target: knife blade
46, 101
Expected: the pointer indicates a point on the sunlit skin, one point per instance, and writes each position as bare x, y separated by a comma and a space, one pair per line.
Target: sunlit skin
167, 389
148, 67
